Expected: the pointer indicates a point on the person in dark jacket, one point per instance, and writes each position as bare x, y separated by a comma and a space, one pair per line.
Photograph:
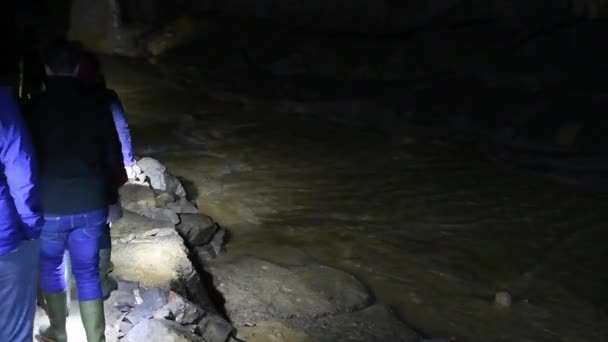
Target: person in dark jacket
20, 217
80, 172
90, 72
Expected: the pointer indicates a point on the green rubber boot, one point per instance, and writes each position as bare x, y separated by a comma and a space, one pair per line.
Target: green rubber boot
57, 312
108, 284
93, 319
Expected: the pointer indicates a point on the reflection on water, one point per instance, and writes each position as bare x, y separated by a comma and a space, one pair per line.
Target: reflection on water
433, 234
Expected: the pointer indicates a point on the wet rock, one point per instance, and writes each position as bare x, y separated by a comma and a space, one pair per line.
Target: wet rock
205, 254
218, 241
257, 290
503, 300
152, 300
123, 298
137, 226
196, 229
159, 214
163, 199
183, 206
136, 195
375, 323
180, 310
161, 330
142, 200
215, 329
160, 178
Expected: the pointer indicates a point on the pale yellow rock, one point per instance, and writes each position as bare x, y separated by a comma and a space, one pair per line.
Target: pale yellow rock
152, 262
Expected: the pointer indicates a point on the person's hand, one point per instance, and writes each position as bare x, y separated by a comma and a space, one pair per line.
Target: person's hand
114, 213
133, 172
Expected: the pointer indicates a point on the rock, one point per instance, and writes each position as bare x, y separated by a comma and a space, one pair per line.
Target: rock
183, 206
137, 195
163, 199
215, 329
160, 179
153, 300
205, 254
196, 229
124, 297
160, 214
375, 323
503, 299
161, 331
218, 241
180, 310
142, 200
257, 290
133, 226
160, 262
125, 327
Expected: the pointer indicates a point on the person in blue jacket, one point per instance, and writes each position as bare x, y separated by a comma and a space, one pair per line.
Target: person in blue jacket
20, 217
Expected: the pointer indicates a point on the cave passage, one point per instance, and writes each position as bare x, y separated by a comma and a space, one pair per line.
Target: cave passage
439, 161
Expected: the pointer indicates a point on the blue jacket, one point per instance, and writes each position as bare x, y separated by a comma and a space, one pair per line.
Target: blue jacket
20, 209
122, 128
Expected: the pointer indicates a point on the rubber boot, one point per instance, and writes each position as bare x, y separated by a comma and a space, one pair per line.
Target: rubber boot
108, 284
56, 310
93, 319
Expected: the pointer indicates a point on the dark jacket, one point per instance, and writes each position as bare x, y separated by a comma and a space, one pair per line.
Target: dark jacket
20, 210
77, 147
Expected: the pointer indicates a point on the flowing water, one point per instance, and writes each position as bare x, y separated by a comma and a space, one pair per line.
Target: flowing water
433, 230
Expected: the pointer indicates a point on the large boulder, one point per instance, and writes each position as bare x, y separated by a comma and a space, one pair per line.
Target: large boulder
157, 258
256, 290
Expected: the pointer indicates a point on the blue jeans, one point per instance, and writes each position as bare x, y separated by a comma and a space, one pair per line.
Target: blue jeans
18, 288
80, 234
